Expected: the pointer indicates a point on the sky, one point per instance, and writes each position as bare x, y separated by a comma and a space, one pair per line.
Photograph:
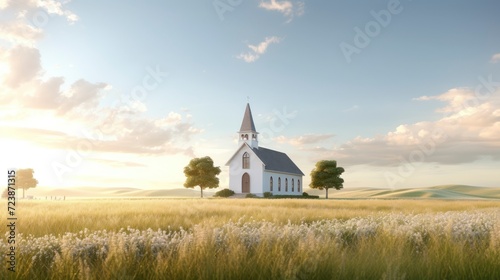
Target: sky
402, 94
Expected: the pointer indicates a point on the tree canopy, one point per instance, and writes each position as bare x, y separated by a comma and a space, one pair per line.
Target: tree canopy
202, 172
25, 180
326, 175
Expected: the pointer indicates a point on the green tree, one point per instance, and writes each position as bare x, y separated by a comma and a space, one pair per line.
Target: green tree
25, 180
326, 175
201, 172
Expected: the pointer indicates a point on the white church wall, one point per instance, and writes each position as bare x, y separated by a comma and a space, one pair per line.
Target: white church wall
255, 172
284, 177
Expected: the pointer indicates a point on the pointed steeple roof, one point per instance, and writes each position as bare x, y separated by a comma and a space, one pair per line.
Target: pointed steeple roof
247, 123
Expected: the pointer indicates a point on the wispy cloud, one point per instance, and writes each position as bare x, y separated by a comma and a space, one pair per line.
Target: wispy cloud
284, 7
17, 32
288, 8
351, 109
54, 7
306, 139
495, 58
27, 8
27, 17
117, 163
257, 50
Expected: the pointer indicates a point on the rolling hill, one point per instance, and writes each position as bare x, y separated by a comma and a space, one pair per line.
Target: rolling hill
436, 192
95, 192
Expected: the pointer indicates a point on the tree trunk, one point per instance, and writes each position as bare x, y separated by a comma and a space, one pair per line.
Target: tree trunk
201, 192
326, 193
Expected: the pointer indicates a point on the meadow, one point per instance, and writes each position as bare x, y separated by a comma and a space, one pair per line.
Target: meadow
256, 239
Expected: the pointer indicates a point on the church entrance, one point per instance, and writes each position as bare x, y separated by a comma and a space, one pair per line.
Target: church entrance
245, 183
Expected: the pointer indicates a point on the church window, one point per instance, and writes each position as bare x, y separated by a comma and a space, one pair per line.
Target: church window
298, 185
246, 161
286, 184
271, 184
293, 185
279, 184
246, 136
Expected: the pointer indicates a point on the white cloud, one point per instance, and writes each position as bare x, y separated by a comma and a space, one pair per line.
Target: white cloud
82, 94
495, 58
42, 111
107, 130
459, 100
287, 8
29, 8
23, 85
25, 19
172, 118
55, 7
469, 131
23, 65
284, 7
257, 50
17, 32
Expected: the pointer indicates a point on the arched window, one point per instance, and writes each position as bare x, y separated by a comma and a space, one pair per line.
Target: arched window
298, 185
246, 136
271, 183
286, 184
246, 161
293, 185
279, 184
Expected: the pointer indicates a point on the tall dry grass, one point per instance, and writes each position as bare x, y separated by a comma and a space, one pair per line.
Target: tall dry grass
58, 217
257, 239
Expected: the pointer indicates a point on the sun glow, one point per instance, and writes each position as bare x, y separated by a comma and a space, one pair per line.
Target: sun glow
4, 69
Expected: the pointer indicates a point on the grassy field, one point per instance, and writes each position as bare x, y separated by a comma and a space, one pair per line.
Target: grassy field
39, 218
256, 239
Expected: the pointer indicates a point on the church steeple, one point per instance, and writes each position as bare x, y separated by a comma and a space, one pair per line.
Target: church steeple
248, 133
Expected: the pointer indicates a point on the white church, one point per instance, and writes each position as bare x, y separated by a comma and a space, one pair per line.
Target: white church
256, 170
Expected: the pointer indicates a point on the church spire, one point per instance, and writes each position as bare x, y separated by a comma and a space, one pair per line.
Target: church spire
247, 124
248, 133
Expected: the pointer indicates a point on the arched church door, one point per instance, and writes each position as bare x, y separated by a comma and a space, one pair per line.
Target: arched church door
245, 183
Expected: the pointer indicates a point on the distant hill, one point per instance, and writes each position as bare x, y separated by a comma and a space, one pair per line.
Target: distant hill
116, 192
436, 192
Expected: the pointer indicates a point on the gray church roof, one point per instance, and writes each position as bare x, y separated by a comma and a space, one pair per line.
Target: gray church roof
276, 161
247, 123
